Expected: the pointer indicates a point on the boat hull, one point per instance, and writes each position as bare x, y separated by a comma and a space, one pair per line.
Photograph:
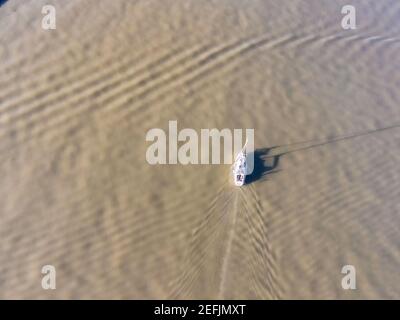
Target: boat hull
239, 179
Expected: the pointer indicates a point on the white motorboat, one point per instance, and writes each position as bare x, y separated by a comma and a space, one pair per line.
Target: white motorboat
239, 167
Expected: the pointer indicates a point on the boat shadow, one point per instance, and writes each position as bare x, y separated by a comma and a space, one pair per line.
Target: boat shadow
264, 165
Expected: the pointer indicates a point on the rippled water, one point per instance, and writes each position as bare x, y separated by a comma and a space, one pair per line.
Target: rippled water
77, 192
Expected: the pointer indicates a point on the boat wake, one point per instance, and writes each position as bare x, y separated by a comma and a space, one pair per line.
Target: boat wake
229, 253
